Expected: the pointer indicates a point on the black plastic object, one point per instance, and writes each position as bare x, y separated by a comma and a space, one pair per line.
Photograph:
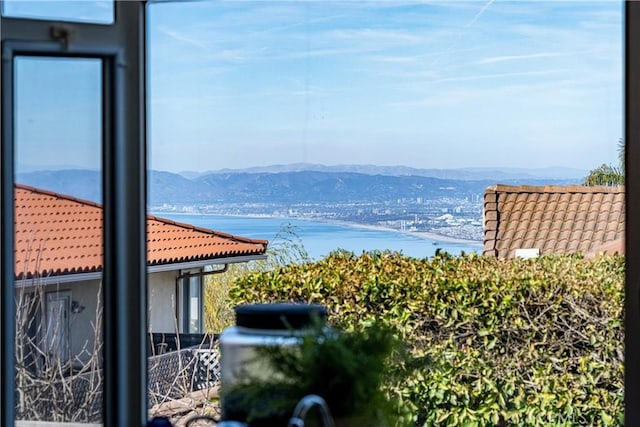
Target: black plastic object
159, 422
279, 315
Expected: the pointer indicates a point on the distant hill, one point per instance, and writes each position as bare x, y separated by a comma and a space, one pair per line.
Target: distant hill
554, 172
81, 183
278, 188
465, 174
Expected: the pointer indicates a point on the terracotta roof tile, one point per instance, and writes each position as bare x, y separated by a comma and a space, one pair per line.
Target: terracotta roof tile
57, 234
552, 219
615, 246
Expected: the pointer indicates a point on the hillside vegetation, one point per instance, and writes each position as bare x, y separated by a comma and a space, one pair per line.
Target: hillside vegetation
305, 186
521, 342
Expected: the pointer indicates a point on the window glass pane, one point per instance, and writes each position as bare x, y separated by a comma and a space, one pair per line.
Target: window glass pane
58, 118
195, 300
58, 239
380, 125
421, 89
97, 11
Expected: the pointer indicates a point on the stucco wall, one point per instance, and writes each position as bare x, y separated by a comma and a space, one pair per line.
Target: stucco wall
161, 295
83, 325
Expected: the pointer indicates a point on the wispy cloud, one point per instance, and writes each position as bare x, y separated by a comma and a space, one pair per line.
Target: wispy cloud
176, 35
315, 53
495, 76
505, 69
375, 35
479, 14
527, 56
393, 59
495, 59
566, 92
301, 23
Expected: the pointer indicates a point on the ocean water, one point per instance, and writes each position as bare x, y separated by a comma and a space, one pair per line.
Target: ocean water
320, 238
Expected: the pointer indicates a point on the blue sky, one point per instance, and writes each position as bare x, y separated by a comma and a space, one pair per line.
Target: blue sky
427, 84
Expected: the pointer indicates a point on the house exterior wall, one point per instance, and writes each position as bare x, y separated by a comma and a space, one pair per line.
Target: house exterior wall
161, 295
82, 323
86, 294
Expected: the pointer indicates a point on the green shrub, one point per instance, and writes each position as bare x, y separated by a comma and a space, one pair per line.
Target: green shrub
512, 342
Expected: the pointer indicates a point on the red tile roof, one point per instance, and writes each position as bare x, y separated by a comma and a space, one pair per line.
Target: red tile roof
58, 235
553, 219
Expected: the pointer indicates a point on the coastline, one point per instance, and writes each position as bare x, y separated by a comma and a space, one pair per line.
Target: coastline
420, 234
440, 238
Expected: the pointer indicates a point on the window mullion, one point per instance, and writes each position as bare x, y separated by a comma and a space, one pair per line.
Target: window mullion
7, 291
125, 402
632, 285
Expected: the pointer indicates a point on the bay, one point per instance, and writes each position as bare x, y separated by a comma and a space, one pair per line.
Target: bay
320, 238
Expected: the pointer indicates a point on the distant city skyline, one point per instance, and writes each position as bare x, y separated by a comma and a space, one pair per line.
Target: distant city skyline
237, 84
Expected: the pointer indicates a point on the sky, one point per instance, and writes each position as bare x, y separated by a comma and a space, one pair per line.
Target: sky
427, 84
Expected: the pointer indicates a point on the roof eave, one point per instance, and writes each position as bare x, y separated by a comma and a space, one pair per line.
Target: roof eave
96, 275
202, 263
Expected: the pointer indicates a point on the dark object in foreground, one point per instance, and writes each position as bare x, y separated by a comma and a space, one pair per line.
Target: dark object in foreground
346, 369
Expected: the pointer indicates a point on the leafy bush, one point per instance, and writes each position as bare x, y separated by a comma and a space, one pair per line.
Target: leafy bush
512, 342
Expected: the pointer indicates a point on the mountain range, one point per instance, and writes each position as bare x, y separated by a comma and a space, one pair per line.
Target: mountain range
286, 185
465, 174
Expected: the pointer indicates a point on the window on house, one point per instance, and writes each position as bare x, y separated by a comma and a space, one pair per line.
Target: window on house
190, 305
